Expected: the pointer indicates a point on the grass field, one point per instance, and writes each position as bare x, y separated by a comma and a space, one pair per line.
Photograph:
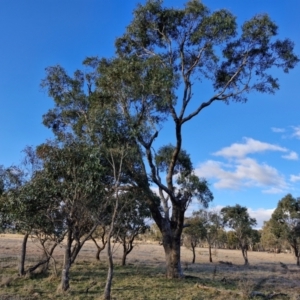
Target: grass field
143, 277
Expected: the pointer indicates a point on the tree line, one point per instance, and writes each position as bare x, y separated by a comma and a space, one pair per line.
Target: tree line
103, 163
233, 228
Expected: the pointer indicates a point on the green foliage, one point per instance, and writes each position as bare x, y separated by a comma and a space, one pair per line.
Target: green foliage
194, 231
126, 100
211, 222
164, 156
132, 217
188, 41
237, 218
285, 222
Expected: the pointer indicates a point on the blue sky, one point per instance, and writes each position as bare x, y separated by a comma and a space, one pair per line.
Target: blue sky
248, 152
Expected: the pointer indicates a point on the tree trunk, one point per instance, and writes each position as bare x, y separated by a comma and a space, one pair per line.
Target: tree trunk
245, 255
75, 251
65, 274
297, 255
209, 250
23, 255
99, 249
107, 290
124, 254
171, 244
194, 254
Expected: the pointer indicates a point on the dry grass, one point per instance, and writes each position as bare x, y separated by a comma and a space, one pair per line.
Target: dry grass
143, 277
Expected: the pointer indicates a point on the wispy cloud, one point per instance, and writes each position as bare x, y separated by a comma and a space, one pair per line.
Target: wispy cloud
278, 130
239, 150
296, 132
273, 190
291, 156
294, 178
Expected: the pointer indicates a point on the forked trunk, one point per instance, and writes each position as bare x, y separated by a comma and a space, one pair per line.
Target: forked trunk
65, 274
99, 248
23, 255
127, 248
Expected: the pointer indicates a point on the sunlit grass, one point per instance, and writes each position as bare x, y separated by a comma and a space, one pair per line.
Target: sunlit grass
144, 278
136, 281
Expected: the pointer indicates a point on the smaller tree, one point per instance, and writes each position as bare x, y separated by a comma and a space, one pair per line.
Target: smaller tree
269, 240
211, 222
285, 223
193, 233
237, 218
100, 234
231, 240
131, 222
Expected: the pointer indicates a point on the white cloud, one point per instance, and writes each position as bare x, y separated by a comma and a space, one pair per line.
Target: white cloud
261, 215
273, 190
245, 172
294, 178
296, 131
278, 130
291, 156
239, 150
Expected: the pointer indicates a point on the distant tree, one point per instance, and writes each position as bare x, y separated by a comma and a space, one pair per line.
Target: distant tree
237, 218
193, 233
154, 233
210, 223
254, 240
131, 221
285, 223
269, 240
222, 238
232, 241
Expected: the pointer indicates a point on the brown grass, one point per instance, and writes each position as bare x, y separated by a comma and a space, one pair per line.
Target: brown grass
143, 277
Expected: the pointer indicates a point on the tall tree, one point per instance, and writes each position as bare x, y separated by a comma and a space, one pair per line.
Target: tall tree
189, 45
285, 223
237, 218
165, 52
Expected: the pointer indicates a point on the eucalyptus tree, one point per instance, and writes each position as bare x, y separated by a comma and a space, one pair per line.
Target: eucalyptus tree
26, 206
285, 223
163, 55
269, 240
132, 221
238, 219
76, 182
212, 223
193, 234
